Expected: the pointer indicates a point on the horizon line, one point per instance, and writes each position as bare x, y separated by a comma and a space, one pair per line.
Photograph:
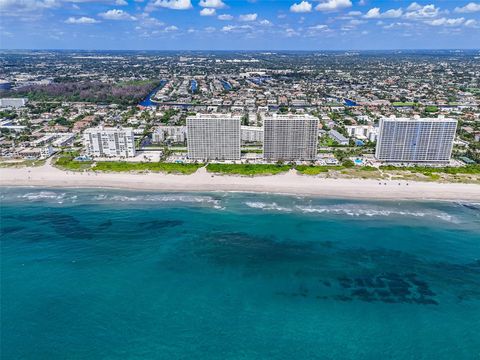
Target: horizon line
244, 50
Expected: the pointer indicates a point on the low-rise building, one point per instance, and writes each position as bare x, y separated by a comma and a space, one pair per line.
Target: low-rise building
339, 138
362, 132
172, 134
252, 134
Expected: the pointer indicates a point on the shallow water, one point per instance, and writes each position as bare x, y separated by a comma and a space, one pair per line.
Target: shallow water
120, 274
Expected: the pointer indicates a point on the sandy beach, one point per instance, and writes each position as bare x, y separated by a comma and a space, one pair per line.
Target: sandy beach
288, 183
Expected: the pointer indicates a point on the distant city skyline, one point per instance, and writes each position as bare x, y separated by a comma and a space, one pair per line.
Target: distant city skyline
239, 25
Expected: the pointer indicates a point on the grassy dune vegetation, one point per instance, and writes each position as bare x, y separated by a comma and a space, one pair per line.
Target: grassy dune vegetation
469, 169
315, 170
248, 169
470, 173
24, 163
169, 168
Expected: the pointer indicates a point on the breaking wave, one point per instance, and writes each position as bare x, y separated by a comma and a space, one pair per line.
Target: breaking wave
352, 210
62, 197
191, 199
267, 206
48, 195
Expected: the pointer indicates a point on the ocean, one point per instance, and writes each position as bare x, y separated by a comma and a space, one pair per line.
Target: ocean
110, 274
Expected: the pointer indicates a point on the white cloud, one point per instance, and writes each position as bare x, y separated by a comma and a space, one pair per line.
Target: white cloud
265, 22
172, 4
414, 6
171, 28
121, 3
396, 25
354, 13
469, 8
225, 17
471, 23
207, 12
319, 27
291, 32
149, 22
210, 29
248, 17
374, 13
356, 22
116, 14
416, 11
303, 7
446, 22
81, 20
230, 28
333, 5
28, 5
216, 4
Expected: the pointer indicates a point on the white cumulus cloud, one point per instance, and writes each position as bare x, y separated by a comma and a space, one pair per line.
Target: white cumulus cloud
172, 4
375, 13
416, 11
121, 3
28, 5
446, 22
303, 7
216, 4
207, 12
469, 8
116, 14
225, 17
248, 17
471, 23
81, 20
333, 5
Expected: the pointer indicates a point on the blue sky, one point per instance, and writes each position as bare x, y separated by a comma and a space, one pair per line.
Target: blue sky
239, 25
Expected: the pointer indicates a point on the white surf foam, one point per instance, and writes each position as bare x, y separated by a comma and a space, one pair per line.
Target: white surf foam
352, 210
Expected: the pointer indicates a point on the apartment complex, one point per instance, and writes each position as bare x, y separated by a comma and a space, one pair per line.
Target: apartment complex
362, 132
415, 139
171, 134
290, 137
252, 134
13, 102
109, 142
213, 137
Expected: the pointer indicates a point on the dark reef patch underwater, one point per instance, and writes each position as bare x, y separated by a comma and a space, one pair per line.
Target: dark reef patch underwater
123, 274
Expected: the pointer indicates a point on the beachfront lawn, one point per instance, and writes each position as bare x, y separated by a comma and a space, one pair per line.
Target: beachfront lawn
66, 162
124, 166
248, 169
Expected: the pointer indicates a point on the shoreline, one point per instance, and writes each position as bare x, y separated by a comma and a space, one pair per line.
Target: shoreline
289, 183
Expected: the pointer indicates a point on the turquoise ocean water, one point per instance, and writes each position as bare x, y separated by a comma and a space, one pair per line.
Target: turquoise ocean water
104, 274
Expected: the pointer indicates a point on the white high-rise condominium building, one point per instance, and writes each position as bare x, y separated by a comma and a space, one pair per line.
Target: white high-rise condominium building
109, 142
416, 139
290, 137
213, 137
